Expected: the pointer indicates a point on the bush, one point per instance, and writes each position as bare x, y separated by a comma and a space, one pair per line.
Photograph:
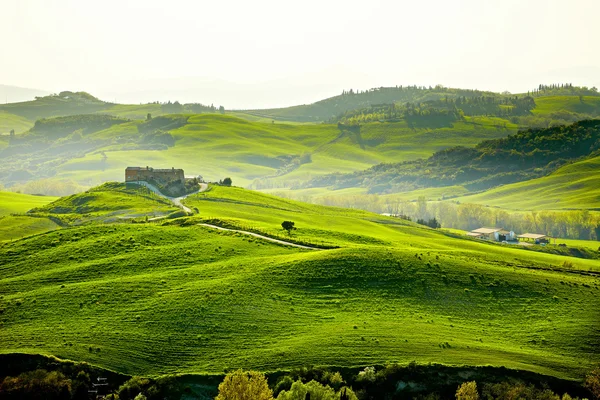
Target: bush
368, 375
467, 391
317, 391
38, 384
592, 382
240, 385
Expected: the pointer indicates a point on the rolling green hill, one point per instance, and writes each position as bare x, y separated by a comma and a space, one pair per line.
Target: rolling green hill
216, 146
526, 155
255, 150
150, 299
16, 203
574, 186
9, 122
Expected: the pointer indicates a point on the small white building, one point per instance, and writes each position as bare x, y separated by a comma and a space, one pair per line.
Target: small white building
493, 234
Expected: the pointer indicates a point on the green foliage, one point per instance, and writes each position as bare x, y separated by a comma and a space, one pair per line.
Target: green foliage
467, 391
241, 385
54, 128
592, 382
288, 226
315, 391
226, 182
38, 384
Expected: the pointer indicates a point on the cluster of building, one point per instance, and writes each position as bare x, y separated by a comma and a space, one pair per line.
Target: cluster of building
502, 235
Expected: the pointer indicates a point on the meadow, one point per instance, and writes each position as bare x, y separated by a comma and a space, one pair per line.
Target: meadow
574, 186
267, 154
177, 297
16, 203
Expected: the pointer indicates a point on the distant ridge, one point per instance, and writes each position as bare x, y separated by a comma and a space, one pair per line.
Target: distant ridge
15, 94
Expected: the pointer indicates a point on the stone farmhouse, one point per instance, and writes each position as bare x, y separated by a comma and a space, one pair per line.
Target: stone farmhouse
133, 174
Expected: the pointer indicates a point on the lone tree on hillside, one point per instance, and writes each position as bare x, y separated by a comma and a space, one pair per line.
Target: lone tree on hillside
240, 385
226, 182
288, 226
148, 117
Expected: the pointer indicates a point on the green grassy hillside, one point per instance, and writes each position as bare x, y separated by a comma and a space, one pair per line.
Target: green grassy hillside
149, 299
17, 227
574, 186
16, 203
216, 146
9, 122
574, 104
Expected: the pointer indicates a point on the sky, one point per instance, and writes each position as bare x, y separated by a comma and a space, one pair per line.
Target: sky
270, 53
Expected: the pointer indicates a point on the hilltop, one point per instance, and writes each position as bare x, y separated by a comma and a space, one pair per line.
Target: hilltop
177, 297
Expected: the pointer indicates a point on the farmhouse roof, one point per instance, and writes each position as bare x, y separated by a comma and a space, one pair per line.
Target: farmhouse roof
474, 234
533, 236
487, 231
153, 169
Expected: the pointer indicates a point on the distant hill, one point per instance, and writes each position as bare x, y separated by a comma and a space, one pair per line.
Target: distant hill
14, 94
525, 155
94, 148
77, 137
573, 186
333, 107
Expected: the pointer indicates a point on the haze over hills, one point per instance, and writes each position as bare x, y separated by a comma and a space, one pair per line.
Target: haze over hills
14, 94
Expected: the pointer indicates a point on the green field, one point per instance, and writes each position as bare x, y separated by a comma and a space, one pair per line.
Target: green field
574, 186
216, 146
17, 227
17, 203
150, 299
586, 105
14, 122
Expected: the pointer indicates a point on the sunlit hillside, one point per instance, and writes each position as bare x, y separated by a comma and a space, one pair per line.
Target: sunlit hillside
178, 297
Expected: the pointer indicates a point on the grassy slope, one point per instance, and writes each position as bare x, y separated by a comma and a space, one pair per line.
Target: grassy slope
574, 186
13, 203
149, 299
10, 121
109, 202
551, 104
216, 146
17, 227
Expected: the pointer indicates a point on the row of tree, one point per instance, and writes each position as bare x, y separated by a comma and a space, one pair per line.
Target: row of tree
177, 108
303, 384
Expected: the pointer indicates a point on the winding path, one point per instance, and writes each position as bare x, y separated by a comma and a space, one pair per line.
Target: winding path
203, 187
174, 200
270, 239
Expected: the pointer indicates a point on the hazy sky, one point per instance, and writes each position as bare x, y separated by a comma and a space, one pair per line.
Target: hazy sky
265, 53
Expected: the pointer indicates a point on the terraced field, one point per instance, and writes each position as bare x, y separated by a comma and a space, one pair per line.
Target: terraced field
176, 297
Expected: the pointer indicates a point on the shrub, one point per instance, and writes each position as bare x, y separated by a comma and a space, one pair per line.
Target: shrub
592, 382
467, 391
368, 374
316, 391
240, 385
